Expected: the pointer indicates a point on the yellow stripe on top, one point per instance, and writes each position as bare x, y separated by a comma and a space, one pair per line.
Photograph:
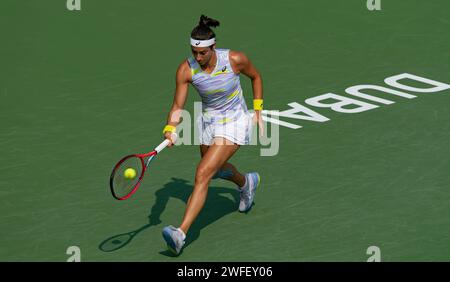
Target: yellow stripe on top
194, 71
225, 120
215, 91
233, 94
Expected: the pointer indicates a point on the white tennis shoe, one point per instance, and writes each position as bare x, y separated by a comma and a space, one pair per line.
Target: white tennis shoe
174, 238
248, 191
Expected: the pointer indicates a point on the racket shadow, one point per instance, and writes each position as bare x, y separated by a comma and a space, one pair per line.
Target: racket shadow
217, 206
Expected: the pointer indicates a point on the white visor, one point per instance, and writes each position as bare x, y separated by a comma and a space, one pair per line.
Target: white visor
202, 43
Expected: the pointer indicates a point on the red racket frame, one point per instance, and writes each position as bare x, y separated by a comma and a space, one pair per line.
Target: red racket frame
136, 186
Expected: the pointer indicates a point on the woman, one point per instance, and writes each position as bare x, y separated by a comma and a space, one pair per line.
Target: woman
224, 125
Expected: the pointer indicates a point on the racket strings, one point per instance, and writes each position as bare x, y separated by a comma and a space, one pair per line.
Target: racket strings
126, 176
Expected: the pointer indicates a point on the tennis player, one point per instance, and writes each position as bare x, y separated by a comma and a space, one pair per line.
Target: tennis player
225, 123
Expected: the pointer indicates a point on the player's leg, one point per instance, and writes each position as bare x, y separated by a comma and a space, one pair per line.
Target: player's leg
227, 171
213, 159
247, 183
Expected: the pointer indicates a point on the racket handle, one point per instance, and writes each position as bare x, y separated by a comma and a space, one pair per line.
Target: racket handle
165, 143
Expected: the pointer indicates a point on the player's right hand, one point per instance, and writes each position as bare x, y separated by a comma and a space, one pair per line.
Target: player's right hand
168, 135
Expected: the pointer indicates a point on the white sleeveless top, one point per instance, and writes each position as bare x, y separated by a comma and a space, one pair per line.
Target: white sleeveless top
220, 91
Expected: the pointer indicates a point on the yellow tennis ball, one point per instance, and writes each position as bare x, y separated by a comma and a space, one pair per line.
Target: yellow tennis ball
129, 173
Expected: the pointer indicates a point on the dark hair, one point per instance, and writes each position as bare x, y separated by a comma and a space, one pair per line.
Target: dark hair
203, 31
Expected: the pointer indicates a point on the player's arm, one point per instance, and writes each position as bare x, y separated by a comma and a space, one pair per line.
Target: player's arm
242, 64
182, 79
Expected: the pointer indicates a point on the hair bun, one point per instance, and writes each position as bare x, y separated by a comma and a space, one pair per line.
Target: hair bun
204, 20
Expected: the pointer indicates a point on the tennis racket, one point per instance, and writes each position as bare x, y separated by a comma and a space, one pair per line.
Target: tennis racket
128, 173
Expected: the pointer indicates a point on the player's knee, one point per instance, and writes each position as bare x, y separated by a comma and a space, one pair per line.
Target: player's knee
203, 174
224, 174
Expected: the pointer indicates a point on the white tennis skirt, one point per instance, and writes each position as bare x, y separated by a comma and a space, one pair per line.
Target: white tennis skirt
237, 130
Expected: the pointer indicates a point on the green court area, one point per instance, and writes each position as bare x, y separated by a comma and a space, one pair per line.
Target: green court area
81, 89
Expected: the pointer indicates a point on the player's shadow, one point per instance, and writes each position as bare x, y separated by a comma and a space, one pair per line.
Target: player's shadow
217, 206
